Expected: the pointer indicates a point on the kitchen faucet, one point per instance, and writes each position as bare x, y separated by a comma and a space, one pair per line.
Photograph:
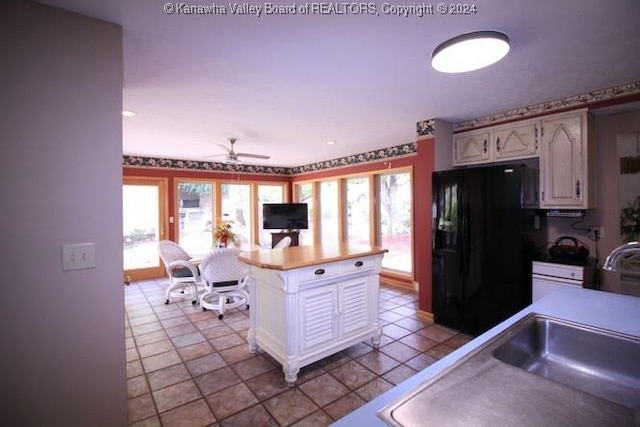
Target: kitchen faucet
613, 259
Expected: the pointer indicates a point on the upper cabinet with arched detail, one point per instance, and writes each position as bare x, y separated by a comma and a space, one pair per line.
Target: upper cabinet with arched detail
566, 162
519, 140
472, 147
563, 142
516, 140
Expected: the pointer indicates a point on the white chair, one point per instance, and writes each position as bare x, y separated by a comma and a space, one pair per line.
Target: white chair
283, 243
225, 279
183, 274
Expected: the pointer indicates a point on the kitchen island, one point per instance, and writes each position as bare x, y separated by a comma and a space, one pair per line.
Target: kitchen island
309, 302
618, 313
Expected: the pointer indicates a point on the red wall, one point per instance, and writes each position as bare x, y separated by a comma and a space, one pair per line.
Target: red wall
422, 163
422, 220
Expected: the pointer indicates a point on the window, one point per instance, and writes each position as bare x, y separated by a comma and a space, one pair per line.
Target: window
395, 221
141, 226
372, 209
236, 208
144, 224
329, 220
267, 194
201, 203
358, 210
195, 217
304, 194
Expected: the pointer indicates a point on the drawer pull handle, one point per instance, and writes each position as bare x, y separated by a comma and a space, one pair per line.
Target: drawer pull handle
359, 264
319, 271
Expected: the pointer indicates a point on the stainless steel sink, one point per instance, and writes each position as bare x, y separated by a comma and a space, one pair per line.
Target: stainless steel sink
539, 371
598, 362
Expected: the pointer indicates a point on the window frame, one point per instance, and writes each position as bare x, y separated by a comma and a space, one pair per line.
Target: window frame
217, 199
374, 221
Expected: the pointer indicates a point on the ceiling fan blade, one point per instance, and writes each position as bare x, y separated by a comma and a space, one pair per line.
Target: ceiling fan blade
227, 149
215, 155
254, 156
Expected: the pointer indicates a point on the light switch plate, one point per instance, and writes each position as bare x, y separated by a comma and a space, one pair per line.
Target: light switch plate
78, 256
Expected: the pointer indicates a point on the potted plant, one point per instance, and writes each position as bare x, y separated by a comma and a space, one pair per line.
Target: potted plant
223, 235
630, 221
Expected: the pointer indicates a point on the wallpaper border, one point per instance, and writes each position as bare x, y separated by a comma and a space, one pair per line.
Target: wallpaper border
423, 128
346, 161
570, 102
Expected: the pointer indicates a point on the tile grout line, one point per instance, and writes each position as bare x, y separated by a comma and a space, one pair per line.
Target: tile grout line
386, 295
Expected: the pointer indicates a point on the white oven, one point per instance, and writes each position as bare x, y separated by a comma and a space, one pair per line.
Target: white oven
547, 276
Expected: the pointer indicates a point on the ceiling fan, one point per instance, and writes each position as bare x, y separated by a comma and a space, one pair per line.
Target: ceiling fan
232, 157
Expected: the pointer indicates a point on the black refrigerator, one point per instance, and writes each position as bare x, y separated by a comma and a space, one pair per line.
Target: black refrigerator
484, 222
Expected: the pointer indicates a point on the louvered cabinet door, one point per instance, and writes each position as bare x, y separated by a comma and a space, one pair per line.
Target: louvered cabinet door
334, 312
354, 306
318, 311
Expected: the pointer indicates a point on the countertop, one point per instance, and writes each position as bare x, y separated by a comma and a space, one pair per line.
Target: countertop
620, 313
304, 256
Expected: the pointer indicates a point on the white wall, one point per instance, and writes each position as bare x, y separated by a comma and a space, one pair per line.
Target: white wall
607, 130
63, 341
443, 151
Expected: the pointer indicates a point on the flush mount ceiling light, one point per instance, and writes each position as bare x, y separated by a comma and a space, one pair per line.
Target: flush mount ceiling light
471, 51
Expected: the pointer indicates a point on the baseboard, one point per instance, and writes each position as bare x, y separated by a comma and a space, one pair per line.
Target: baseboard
397, 280
425, 315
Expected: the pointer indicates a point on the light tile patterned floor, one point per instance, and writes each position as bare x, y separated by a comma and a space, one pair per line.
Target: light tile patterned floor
185, 367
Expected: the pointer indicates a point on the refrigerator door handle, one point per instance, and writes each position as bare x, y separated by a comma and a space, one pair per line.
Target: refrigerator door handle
463, 218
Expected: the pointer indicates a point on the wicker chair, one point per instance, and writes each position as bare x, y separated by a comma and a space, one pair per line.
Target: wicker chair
225, 281
184, 275
284, 243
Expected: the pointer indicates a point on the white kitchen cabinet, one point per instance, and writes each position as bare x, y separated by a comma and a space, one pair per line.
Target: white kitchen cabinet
566, 172
497, 143
332, 313
515, 140
563, 142
309, 302
472, 147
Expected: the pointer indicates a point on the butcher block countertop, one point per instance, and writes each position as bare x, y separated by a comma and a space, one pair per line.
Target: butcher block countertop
304, 256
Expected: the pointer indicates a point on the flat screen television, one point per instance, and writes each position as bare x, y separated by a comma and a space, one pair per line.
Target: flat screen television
278, 216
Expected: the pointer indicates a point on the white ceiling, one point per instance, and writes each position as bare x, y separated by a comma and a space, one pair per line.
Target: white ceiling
284, 85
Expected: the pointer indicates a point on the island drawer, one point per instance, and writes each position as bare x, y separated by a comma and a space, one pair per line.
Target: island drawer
323, 271
319, 272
